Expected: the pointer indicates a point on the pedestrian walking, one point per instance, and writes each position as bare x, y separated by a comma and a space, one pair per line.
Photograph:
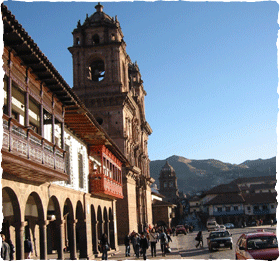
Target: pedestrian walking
104, 246
127, 245
153, 237
169, 239
5, 249
173, 231
163, 242
28, 249
199, 239
136, 244
144, 245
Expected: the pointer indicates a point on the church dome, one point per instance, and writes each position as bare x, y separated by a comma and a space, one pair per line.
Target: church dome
99, 17
167, 169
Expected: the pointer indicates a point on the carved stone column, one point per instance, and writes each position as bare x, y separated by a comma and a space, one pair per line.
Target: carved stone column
19, 227
95, 248
73, 246
60, 226
43, 239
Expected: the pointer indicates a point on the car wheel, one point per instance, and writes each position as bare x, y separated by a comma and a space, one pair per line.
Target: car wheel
230, 246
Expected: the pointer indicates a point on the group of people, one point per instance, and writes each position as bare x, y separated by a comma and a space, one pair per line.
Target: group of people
8, 248
149, 238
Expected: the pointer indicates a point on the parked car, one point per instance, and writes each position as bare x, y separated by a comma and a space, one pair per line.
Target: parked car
229, 225
222, 227
212, 225
252, 223
180, 229
219, 239
259, 245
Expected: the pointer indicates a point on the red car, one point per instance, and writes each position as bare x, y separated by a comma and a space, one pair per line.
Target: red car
180, 229
259, 245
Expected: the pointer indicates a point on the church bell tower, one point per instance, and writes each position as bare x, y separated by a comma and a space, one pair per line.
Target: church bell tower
168, 183
110, 86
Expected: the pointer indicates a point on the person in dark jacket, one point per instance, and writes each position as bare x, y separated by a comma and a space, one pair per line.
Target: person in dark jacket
136, 244
28, 249
127, 245
5, 249
104, 246
163, 242
144, 245
199, 239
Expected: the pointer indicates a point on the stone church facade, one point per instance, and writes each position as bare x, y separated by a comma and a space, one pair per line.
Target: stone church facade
110, 85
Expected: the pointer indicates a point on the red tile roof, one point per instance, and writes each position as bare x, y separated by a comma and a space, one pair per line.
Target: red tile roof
226, 199
258, 198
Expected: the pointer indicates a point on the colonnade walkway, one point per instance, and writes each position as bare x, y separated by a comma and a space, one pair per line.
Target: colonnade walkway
120, 254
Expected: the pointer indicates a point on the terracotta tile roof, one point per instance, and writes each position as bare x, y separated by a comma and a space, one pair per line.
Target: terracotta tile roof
230, 198
262, 186
195, 198
224, 188
162, 203
258, 198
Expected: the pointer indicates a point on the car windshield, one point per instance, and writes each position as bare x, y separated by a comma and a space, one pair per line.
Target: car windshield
262, 242
219, 234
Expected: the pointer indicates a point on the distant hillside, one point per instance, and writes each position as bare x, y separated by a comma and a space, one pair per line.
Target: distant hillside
197, 175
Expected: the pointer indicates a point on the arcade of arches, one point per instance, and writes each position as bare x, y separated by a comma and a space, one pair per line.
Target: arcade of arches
61, 223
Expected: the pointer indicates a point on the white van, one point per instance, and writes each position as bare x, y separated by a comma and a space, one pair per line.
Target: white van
212, 225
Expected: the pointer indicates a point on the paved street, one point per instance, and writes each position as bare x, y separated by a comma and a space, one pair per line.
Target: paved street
183, 247
187, 249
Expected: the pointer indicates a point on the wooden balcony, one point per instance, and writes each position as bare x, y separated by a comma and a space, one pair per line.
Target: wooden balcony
28, 156
102, 185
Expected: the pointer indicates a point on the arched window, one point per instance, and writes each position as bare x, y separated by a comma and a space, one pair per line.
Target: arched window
95, 39
113, 37
124, 74
77, 41
97, 70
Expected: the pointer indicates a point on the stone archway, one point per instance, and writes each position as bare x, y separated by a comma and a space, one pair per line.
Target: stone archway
112, 229
54, 229
69, 229
12, 226
94, 229
35, 228
81, 240
100, 222
106, 223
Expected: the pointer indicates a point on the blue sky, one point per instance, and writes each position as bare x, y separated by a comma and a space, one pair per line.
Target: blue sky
209, 69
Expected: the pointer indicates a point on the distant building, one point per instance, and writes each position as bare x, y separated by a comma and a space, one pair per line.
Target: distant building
242, 201
163, 211
168, 183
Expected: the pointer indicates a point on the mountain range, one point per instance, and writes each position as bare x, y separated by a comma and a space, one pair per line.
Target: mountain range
199, 175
